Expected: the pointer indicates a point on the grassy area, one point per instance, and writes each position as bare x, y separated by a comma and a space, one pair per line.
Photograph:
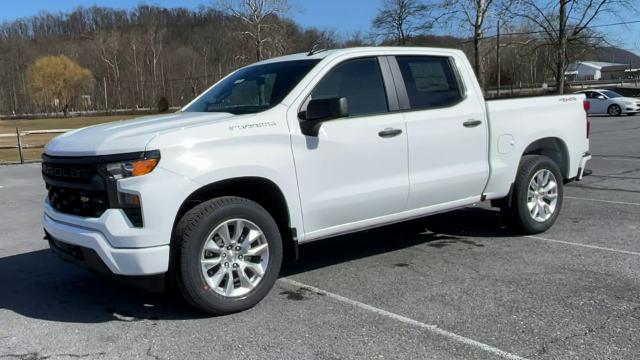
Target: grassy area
9, 127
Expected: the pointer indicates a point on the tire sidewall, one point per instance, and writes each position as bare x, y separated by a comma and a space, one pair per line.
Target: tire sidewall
612, 107
191, 275
527, 223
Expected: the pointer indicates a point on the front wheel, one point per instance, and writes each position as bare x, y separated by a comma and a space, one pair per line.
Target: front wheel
614, 110
230, 255
537, 195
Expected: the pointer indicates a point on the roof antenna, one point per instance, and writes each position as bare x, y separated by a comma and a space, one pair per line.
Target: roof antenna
316, 48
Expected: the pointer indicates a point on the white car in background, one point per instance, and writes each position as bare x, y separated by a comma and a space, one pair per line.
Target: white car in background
610, 102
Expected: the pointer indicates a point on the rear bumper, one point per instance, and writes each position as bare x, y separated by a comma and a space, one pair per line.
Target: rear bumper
582, 171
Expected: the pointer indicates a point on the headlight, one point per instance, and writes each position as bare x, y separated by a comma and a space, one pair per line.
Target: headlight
629, 103
137, 167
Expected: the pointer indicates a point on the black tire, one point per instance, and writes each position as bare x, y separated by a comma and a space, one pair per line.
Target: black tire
614, 110
517, 211
191, 234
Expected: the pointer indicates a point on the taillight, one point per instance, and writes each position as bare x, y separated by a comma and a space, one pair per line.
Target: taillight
586, 105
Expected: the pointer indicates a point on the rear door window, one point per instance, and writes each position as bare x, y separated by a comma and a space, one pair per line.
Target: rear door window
431, 81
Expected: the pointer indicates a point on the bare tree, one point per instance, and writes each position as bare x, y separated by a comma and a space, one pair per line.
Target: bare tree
401, 19
473, 14
563, 24
257, 16
358, 38
108, 45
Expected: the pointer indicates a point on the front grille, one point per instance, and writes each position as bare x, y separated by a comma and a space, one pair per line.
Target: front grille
81, 186
78, 202
76, 189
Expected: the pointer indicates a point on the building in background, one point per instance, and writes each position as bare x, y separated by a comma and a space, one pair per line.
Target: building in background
632, 73
596, 70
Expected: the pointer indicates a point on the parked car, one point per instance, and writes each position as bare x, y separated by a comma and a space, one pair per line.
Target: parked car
298, 149
610, 102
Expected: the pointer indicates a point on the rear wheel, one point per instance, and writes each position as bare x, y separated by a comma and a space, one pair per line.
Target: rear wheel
230, 255
537, 195
614, 110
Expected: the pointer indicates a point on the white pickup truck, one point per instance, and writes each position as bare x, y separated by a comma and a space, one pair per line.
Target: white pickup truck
297, 149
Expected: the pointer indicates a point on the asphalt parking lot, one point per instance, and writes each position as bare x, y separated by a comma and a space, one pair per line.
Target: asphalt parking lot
453, 286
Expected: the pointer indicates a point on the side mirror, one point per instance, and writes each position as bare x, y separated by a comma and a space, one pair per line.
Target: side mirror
601, 97
321, 110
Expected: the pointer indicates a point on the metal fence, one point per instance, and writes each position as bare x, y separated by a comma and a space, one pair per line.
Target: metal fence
21, 146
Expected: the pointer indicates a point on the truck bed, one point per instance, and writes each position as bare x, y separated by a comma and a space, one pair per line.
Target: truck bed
514, 124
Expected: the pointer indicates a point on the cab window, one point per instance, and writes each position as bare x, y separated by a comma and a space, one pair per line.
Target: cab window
360, 82
431, 81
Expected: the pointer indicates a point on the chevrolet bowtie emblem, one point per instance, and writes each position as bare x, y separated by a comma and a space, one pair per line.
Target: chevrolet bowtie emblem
84, 199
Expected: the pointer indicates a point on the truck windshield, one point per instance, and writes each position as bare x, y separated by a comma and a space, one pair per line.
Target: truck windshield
254, 88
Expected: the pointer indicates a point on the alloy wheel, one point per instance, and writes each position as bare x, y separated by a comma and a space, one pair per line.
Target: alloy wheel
542, 195
234, 257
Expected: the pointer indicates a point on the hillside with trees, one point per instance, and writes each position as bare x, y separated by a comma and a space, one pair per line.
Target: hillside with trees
153, 56
140, 56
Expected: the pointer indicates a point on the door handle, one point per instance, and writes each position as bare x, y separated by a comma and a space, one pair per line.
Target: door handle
471, 123
389, 133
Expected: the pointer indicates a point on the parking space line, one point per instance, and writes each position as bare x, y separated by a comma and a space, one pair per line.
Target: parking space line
432, 328
626, 252
617, 159
603, 201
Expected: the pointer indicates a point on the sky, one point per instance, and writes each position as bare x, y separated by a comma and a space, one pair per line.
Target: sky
343, 16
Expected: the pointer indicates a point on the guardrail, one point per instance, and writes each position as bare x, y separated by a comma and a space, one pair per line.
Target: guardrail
20, 134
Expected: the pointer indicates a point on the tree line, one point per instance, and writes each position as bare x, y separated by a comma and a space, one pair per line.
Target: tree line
151, 55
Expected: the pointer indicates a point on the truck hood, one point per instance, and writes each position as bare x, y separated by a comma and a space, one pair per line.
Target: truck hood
125, 136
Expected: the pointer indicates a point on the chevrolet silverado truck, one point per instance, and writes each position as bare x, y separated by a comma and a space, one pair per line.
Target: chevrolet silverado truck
297, 149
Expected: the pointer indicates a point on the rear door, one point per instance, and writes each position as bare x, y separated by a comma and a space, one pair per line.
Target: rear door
355, 169
447, 132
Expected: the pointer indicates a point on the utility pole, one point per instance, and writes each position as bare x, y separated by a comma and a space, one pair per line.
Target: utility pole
498, 58
106, 102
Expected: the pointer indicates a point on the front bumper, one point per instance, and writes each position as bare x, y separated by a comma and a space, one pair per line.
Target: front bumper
90, 259
118, 261
635, 108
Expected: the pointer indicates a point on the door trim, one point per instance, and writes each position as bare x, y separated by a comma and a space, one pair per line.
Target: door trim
388, 219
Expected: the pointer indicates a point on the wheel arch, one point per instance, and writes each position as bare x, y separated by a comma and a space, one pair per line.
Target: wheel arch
553, 148
620, 106
261, 190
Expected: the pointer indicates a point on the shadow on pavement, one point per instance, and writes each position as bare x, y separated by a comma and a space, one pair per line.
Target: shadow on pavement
437, 232
39, 285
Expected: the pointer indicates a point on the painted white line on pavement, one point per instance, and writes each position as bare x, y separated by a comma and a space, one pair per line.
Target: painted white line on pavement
432, 328
616, 159
626, 252
603, 201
